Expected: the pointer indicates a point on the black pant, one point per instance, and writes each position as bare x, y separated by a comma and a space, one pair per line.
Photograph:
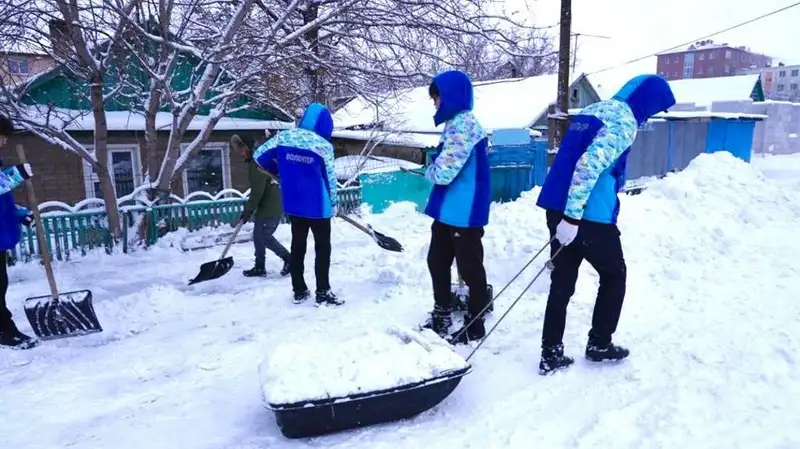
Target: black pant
6, 323
600, 245
321, 228
465, 246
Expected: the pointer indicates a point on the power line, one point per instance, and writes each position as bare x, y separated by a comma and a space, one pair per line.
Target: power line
755, 19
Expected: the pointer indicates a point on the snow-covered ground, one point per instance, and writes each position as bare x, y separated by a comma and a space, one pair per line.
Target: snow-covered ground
711, 317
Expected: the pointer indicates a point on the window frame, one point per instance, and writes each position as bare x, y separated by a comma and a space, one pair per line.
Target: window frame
90, 177
19, 61
224, 148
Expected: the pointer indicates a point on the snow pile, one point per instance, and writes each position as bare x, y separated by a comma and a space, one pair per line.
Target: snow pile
324, 369
350, 166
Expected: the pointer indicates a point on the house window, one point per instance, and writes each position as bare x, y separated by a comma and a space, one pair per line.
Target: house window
700, 71
124, 165
208, 170
795, 72
793, 86
711, 55
702, 56
780, 87
782, 73
17, 66
688, 65
728, 54
711, 70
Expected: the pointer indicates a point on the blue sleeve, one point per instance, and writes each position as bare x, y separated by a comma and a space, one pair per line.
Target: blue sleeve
330, 168
458, 139
10, 179
266, 156
609, 144
22, 211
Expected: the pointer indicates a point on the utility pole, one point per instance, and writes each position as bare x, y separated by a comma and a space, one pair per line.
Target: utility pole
558, 117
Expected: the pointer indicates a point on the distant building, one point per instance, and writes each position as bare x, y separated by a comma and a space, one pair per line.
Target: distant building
16, 67
705, 59
779, 83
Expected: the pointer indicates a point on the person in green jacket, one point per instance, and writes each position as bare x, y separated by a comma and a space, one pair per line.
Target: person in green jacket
264, 205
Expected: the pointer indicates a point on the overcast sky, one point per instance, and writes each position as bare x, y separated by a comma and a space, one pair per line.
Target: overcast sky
640, 27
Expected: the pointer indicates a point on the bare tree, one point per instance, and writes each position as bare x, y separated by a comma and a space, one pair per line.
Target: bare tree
84, 41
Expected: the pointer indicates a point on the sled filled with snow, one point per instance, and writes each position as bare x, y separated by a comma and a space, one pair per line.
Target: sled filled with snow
320, 387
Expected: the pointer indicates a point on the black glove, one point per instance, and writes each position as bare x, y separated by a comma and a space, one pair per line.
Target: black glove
27, 220
245, 216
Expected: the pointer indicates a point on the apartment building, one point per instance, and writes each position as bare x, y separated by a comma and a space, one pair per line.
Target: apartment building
16, 67
779, 83
706, 59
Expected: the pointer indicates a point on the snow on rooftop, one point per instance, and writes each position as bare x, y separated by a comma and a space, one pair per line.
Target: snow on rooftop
705, 91
74, 120
510, 103
701, 92
683, 115
411, 140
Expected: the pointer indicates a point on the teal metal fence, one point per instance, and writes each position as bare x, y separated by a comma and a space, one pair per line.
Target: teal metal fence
75, 234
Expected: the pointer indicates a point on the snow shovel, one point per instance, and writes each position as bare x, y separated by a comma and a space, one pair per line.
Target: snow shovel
56, 315
384, 241
460, 294
220, 267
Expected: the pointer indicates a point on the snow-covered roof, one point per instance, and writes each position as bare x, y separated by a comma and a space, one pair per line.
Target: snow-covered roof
510, 103
73, 120
684, 115
404, 139
411, 140
700, 91
705, 91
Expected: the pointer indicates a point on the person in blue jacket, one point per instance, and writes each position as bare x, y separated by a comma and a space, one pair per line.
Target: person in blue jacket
12, 217
303, 157
580, 199
458, 203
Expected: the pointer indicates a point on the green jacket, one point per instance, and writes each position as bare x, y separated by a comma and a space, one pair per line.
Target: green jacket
265, 194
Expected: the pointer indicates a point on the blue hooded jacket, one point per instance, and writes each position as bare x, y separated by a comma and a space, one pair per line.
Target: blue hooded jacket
11, 215
589, 168
304, 159
461, 193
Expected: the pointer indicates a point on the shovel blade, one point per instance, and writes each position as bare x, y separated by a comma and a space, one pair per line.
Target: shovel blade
72, 315
460, 294
213, 270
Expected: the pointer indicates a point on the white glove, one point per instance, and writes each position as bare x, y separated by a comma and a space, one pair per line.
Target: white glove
25, 170
566, 232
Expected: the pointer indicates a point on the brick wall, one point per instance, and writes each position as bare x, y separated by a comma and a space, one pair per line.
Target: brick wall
59, 174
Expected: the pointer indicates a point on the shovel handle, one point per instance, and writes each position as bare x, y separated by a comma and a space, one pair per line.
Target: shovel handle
233, 237
40, 236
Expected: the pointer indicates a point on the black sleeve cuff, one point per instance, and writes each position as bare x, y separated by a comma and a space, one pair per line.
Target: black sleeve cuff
22, 171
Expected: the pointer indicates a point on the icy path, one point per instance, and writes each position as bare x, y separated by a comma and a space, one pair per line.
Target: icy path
711, 318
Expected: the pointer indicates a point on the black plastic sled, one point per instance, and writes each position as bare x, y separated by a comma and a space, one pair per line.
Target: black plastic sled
324, 416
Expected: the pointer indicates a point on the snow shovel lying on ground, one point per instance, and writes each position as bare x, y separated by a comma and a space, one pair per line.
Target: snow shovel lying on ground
219, 267
460, 294
57, 315
384, 241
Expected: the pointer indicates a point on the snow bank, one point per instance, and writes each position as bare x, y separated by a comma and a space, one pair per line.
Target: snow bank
373, 361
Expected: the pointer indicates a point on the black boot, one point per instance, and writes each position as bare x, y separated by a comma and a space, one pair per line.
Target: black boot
469, 332
605, 352
14, 339
553, 359
257, 271
327, 298
439, 321
300, 297
287, 269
